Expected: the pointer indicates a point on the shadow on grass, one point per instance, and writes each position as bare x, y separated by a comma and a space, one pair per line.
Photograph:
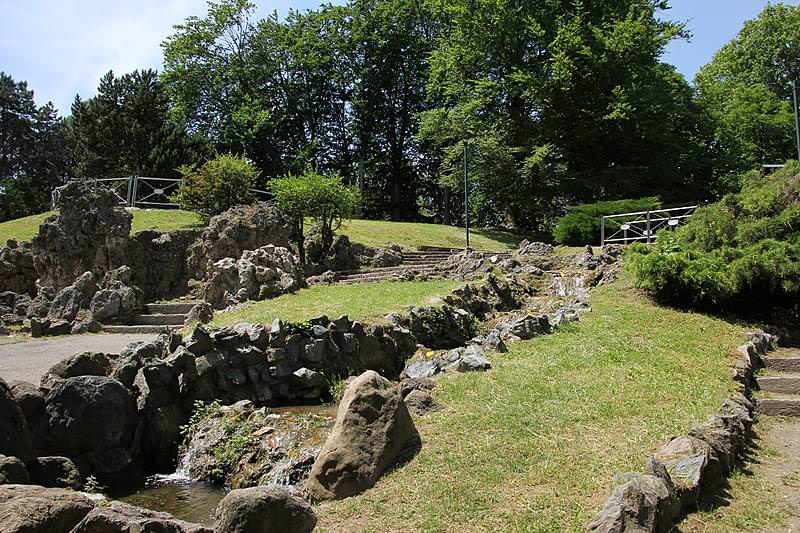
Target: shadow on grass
509, 239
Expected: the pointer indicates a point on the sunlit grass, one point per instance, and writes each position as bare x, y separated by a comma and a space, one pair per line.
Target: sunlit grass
534, 444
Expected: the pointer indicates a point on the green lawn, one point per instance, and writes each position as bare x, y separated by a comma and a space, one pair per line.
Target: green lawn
368, 300
23, 229
412, 235
533, 445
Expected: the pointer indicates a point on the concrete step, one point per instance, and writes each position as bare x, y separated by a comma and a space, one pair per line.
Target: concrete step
783, 384
138, 329
778, 405
173, 319
170, 308
782, 364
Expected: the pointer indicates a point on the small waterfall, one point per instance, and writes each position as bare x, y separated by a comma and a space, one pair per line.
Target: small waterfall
182, 473
571, 286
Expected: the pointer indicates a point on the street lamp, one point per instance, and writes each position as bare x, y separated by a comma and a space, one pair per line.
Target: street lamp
466, 191
796, 116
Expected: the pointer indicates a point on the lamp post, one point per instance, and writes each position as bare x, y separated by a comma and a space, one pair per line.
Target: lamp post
466, 190
796, 116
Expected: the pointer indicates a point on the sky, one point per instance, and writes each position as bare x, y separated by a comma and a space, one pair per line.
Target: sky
63, 47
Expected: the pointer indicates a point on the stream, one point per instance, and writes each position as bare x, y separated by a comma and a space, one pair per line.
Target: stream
195, 501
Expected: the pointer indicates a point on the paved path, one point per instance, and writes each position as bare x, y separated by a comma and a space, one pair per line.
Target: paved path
29, 360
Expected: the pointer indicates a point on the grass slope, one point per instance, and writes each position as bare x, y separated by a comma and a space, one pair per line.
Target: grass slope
23, 229
369, 300
412, 235
534, 444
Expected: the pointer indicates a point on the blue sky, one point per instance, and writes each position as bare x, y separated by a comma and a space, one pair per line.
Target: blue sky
62, 47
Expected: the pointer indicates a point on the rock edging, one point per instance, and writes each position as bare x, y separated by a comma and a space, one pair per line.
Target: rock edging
689, 466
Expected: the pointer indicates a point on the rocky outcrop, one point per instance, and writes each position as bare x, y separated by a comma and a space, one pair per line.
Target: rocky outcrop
17, 273
159, 263
90, 233
264, 510
439, 327
119, 517
116, 298
492, 295
72, 298
259, 274
527, 247
15, 438
373, 429
241, 228
34, 509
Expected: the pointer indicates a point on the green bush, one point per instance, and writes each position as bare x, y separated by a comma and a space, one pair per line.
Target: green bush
217, 185
740, 254
581, 224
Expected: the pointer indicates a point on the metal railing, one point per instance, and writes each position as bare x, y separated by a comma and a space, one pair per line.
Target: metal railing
143, 191
642, 226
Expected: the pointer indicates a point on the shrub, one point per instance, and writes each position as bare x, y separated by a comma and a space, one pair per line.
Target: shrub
327, 201
217, 185
581, 224
740, 254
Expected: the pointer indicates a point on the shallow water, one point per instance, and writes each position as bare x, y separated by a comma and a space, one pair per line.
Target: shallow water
186, 500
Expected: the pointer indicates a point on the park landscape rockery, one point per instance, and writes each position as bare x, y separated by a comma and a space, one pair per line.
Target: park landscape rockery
691, 466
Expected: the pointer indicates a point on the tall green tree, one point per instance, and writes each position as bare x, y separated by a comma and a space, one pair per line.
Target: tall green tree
126, 129
34, 150
746, 89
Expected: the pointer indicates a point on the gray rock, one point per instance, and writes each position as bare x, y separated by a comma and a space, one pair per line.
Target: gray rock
199, 341
15, 437
421, 402
89, 414
59, 327
373, 429
34, 509
80, 364
422, 369
119, 517
412, 384
474, 360
304, 378
55, 472
13, 471
264, 510
691, 463
638, 503
494, 341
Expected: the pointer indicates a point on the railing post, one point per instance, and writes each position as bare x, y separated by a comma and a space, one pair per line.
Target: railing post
648, 226
602, 230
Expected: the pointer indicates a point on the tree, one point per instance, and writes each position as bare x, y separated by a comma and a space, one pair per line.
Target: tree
34, 151
746, 90
126, 129
327, 201
561, 102
217, 185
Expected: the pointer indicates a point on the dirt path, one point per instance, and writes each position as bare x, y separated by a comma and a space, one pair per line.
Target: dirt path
765, 496
27, 361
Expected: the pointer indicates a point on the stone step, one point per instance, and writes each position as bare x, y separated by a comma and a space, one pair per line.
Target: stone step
170, 308
139, 329
779, 405
377, 276
782, 364
783, 384
172, 319
398, 268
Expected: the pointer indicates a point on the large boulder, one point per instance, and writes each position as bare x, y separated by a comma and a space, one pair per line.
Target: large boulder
264, 510
69, 301
80, 364
90, 233
55, 472
638, 503
17, 273
120, 517
15, 437
265, 272
13, 471
373, 430
89, 414
229, 234
117, 297
34, 509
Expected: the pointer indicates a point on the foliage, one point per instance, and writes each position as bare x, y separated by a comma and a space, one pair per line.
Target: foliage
746, 91
742, 253
238, 439
327, 201
126, 130
217, 185
202, 411
34, 151
93, 486
336, 387
542, 435
581, 224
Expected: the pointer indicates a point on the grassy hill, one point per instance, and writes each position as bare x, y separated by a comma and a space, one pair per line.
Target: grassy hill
533, 445
370, 232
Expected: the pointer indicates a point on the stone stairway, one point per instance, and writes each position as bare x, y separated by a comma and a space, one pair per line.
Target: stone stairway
421, 261
157, 318
779, 383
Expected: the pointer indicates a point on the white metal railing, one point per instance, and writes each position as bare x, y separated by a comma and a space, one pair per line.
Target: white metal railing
143, 191
641, 226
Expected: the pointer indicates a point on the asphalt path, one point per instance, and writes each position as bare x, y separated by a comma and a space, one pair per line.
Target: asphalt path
29, 360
